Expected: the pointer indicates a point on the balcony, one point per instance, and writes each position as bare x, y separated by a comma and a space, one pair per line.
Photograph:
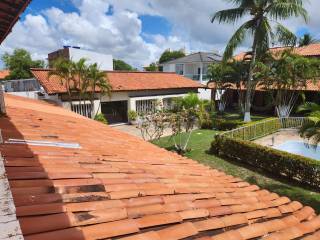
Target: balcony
196, 77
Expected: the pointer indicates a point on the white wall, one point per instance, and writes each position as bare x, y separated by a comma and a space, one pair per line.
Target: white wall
30, 94
105, 62
169, 67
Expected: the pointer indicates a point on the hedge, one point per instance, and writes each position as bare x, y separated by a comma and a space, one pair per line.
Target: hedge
294, 167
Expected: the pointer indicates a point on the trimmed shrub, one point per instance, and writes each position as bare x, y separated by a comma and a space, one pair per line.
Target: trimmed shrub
302, 169
101, 118
224, 124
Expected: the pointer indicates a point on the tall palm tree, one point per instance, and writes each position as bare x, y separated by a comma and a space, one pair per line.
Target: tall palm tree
264, 28
62, 68
80, 72
97, 79
307, 39
311, 129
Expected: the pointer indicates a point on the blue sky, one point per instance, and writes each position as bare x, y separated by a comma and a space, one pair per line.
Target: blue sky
137, 31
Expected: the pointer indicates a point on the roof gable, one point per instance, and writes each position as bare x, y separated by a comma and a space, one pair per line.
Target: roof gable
196, 58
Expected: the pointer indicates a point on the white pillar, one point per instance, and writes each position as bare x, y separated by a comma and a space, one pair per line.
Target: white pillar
132, 104
201, 72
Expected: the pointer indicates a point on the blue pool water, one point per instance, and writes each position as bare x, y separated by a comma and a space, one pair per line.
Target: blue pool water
300, 148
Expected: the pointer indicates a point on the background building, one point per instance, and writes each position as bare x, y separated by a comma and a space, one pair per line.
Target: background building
104, 61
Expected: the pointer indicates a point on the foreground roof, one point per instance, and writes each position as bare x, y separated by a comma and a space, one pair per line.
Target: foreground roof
9, 15
198, 57
312, 50
117, 186
123, 81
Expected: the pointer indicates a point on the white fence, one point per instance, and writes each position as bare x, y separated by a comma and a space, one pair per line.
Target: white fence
263, 128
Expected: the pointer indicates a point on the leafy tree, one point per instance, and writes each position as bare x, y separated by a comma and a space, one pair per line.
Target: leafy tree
311, 128
262, 26
307, 39
224, 75
19, 64
153, 67
169, 55
122, 66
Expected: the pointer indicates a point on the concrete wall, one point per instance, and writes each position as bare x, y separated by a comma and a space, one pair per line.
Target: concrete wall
169, 68
105, 62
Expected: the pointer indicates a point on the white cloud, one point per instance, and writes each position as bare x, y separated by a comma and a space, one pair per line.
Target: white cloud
121, 33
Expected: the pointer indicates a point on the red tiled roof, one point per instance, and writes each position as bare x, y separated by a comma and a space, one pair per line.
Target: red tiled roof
4, 73
310, 86
123, 81
312, 50
117, 186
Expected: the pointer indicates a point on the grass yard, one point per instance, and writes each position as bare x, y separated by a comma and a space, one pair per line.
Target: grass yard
200, 143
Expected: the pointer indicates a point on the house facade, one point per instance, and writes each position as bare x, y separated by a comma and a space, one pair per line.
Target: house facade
141, 92
195, 67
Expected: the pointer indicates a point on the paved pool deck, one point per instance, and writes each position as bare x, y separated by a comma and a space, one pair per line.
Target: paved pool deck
280, 137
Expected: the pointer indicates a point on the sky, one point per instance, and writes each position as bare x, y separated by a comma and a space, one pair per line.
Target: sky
136, 31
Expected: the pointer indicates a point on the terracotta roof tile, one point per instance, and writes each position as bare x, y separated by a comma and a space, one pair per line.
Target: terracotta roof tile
117, 186
123, 81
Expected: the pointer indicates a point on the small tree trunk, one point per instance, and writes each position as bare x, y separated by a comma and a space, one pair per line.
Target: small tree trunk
247, 106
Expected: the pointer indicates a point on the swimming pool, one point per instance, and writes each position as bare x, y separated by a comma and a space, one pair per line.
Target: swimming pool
300, 148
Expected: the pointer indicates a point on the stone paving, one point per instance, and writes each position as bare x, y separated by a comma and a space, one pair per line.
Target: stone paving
133, 130
279, 138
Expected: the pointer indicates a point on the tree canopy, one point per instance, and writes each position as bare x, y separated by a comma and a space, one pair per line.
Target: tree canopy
121, 65
19, 64
169, 55
307, 39
153, 67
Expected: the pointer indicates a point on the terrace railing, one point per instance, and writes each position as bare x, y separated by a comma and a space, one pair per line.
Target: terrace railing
264, 128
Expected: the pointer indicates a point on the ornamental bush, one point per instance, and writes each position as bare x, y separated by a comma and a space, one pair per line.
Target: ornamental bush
302, 169
101, 118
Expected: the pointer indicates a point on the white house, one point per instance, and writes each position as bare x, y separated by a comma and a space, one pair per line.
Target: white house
195, 67
104, 61
137, 91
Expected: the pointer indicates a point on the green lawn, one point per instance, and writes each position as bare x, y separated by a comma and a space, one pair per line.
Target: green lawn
200, 143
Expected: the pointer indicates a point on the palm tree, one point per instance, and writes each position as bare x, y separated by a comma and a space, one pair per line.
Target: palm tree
307, 39
311, 129
97, 79
62, 68
80, 72
264, 28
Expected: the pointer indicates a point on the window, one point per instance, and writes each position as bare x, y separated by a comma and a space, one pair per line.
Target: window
179, 69
145, 106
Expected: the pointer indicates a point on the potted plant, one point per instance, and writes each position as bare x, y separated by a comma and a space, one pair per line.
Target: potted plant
132, 115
